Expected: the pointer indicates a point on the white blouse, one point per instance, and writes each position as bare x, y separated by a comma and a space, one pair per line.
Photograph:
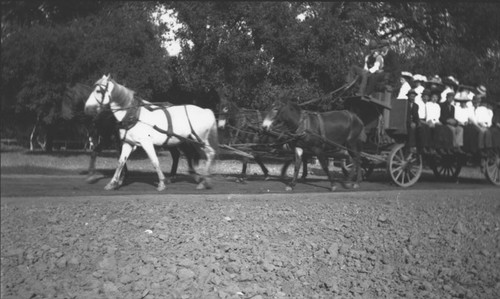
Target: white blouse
433, 112
462, 115
418, 100
403, 91
483, 116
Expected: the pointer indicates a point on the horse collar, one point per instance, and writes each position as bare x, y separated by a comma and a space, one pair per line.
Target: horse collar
131, 117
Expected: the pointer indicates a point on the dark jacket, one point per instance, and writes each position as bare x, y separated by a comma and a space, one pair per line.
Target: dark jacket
447, 111
412, 115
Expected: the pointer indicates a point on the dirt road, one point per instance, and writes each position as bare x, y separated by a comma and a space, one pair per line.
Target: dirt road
64, 238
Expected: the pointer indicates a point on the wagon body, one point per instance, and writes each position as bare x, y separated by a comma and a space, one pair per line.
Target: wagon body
385, 119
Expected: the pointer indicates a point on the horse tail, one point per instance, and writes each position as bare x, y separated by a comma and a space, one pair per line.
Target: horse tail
191, 151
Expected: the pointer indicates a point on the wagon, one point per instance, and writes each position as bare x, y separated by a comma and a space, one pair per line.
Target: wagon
386, 146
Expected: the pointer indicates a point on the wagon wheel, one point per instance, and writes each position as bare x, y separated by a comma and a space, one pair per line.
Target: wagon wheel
492, 167
403, 166
366, 168
447, 167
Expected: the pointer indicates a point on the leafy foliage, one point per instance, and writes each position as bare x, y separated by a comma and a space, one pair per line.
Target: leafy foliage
256, 52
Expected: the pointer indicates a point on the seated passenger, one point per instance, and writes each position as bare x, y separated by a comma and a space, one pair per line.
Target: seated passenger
447, 118
482, 119
451, 85
427, 124
406, 81
419, 88
412, 120
432, 109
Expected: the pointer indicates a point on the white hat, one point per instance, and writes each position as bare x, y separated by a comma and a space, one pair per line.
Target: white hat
406, 74
452, 80
419, 77
481, 89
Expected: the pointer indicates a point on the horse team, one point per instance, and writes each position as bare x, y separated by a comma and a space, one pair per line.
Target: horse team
194, 131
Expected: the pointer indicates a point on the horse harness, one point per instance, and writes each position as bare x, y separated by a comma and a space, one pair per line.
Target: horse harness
305, 123
132, 117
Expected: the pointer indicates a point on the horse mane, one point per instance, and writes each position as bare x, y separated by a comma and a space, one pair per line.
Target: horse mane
122, 95
73, 101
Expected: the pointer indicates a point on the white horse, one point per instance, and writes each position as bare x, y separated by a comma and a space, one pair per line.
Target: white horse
152, 125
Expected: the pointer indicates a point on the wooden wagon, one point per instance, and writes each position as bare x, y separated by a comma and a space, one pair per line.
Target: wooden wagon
385, 119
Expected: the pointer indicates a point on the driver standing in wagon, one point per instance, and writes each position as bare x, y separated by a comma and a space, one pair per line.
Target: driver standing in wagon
372, 64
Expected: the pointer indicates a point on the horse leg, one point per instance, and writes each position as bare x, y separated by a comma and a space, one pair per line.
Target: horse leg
263, 167
304, 169
244, 166
356, 169
298, 162
323, 161
127, 149
192, 172
150, 151
210, 154
91, 176
175, 153
119, 148
284, 169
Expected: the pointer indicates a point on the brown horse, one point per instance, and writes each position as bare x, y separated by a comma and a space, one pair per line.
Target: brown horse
319, 133
242, 126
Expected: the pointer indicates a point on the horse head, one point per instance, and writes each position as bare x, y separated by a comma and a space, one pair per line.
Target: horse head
284, 113
100, 96
227, 113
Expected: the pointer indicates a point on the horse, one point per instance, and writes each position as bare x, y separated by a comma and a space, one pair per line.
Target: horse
147, 125
318, 133
242, 126
103, 132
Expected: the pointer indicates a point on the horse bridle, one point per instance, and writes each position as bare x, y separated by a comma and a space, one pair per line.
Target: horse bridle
102, 90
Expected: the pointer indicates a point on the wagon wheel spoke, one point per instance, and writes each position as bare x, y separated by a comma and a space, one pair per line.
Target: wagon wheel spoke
399, 172
413, 172
397, 169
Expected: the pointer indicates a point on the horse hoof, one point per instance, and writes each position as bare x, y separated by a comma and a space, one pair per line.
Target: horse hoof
355, 186
333, 188
288, 188
161, 187
201, 186
208, 183
267, 178
111, 186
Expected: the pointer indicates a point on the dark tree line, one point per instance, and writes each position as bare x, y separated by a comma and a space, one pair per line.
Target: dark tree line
252, 52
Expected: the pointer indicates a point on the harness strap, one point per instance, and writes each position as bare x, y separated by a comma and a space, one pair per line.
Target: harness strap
191, 127
305, 123
321, 125
170, 130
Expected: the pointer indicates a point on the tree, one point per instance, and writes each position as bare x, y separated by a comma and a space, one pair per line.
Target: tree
41, 58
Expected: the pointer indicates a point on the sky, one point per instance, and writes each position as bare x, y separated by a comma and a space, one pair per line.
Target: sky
171, 44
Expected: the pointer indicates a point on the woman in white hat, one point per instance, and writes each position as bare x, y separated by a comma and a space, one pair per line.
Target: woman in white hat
406, 80
419, 88
451, 85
